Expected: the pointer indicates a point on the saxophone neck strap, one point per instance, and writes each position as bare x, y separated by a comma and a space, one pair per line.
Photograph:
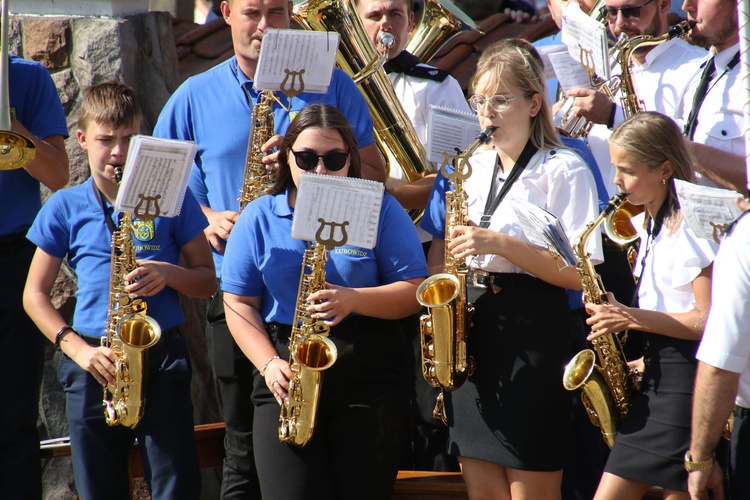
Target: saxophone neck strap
653, 232
103, 205
493, 202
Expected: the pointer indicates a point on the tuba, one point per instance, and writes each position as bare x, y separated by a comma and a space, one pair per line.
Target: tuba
441, 20
16, 151
443, 331
394, 133
256, 178
607, 386
130, 332
310, 353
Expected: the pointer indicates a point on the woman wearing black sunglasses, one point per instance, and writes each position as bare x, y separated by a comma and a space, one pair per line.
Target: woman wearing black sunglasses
364, 404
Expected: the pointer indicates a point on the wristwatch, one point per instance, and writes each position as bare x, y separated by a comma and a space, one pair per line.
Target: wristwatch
691, 466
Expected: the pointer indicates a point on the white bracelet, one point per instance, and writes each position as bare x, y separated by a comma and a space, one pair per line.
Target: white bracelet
265, 365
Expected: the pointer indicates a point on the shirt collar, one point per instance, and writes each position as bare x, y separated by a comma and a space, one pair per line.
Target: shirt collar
655, 52
722, 59
280, 202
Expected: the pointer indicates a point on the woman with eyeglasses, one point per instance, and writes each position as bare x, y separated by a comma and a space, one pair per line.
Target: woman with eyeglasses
363, 416
508, 421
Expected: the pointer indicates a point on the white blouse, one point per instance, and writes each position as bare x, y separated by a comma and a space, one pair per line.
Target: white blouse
556, 180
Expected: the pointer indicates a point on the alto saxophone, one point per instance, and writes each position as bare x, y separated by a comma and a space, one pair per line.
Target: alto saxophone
257, 178
443, 331
130, 332
607, 386
310, 353
631, 104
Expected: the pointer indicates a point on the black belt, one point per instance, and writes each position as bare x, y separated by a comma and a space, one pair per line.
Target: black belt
97, 341
484, 279
13, 242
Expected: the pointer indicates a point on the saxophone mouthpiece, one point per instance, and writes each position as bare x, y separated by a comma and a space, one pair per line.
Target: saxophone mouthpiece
486, 135
680, 29
117, 176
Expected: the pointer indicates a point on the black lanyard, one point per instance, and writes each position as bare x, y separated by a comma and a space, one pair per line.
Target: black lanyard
100, 198
652, 234
494, 201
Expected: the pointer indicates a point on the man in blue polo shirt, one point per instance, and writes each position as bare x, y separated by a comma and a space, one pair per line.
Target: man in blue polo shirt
38, 115
214, 109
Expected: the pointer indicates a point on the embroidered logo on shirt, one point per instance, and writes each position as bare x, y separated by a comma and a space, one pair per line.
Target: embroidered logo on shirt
144, 231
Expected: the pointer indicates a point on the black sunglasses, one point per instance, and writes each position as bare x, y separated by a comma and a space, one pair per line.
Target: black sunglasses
333, 160
632, 12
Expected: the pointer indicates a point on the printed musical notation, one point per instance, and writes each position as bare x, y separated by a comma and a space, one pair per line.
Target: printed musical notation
338, 200
155, 176
293, 60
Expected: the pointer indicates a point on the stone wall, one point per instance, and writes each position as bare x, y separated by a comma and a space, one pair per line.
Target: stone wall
80, 51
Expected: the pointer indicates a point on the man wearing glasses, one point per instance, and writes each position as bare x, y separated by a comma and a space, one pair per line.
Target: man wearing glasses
659, 74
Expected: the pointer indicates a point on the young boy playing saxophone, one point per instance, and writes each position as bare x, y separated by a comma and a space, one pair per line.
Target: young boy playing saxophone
78, 223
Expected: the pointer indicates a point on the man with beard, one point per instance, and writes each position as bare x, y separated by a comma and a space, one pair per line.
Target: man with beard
215, 109
716, 125
658, 74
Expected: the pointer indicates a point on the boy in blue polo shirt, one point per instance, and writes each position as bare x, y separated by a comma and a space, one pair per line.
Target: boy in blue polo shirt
78, 223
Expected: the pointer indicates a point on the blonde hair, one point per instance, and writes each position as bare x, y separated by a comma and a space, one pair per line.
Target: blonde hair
652, 138
516, 62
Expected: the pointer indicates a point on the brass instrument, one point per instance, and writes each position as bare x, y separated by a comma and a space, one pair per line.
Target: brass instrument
310, 350
16, 151
257, 178
441, 19
443, 331
631, 105
130, 332
618, 226
394, 132
609, 384
578, 126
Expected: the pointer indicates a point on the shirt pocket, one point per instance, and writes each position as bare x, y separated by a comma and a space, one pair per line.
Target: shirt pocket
726, 134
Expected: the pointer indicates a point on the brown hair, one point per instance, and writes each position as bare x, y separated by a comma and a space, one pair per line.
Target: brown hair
111, 103
515, 61
652, 138
322, 116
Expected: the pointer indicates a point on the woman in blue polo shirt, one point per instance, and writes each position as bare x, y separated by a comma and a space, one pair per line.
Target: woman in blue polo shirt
364, 403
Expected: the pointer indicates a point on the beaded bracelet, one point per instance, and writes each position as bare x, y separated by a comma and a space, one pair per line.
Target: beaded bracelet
265, 365
61, 333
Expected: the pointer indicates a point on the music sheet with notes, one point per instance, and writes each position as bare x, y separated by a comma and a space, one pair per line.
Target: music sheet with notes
295, 60
707, 210
156, 172
586, 39
343, 204
449, 129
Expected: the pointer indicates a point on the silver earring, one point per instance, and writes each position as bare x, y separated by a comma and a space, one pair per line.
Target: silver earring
664, 181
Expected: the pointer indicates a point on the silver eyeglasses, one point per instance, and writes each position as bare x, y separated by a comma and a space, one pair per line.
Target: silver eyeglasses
497, 102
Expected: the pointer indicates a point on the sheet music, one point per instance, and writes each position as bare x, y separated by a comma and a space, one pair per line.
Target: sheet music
449, 129
296, 60
584, 35
544, 52
707, 210
543, 229
570, 74
338, 200
154, 168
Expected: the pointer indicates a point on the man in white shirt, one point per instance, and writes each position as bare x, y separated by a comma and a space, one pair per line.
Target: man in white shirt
417, 86
659, 73
723, 376
718, 134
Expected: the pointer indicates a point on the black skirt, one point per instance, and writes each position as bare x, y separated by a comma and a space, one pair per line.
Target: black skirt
652, 440
513, 411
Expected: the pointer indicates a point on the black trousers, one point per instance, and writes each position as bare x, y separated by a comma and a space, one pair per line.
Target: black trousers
361, 425
739, 455
21, 366
233, 376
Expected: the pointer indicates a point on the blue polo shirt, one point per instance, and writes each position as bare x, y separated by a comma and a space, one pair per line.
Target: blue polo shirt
71, 223
35, 103
212, 109
263, 260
